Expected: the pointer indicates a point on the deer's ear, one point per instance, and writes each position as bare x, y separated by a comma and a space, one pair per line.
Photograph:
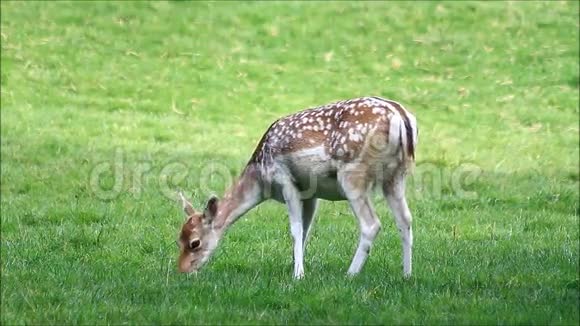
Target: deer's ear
187, 208
211, 209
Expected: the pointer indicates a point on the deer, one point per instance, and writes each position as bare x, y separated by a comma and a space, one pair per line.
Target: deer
341, 151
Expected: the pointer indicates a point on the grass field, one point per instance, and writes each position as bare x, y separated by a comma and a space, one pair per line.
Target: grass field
107, 108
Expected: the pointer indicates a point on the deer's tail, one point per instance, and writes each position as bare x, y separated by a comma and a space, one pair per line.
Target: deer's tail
405, 132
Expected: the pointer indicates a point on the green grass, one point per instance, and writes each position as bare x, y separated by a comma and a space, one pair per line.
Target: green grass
173, 86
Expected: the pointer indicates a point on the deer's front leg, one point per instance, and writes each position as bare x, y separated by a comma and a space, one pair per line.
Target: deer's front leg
308, 213
292, 198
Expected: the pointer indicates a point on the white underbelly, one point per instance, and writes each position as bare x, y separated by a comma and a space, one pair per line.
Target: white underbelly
313, 172
321, 187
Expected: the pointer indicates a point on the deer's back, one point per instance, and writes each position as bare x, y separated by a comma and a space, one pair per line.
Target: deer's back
361, 133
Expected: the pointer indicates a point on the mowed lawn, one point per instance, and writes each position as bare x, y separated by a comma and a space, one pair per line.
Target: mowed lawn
109, 107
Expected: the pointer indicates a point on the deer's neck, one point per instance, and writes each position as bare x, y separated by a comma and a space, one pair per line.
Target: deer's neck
242, 196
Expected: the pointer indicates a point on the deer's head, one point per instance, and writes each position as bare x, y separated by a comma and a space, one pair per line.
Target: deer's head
197, 237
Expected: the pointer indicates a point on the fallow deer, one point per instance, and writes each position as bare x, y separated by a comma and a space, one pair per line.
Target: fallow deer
339, 151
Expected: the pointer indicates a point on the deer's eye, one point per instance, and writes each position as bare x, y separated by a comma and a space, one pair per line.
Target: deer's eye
195, 243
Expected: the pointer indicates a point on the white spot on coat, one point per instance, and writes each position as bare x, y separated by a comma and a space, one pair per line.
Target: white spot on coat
378, 110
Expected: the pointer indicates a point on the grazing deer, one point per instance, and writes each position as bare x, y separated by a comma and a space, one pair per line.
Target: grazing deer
339, 151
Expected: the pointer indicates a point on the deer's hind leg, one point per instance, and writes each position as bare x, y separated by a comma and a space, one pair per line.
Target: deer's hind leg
356, 189
394, 192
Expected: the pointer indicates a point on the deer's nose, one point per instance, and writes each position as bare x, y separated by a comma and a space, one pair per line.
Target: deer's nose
185, 263
184, 268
